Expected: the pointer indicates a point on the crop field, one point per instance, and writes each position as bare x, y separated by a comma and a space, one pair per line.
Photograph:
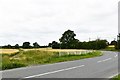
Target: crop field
112, 46
12, 51
8, 51
55, 50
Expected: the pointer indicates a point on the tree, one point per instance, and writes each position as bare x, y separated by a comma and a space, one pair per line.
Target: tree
102, 44
55, 45
74, 44
118, 44
36, 45
113, 42
68, 39
118, 41
96, 44
7, 46
26, 45
17, 46
50, 44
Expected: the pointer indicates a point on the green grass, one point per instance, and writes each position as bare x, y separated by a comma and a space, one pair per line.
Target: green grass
116, 77
36, 57
73, 57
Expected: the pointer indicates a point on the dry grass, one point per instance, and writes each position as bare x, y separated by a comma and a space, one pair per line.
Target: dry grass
8, 51
56, 50
12, 51
37, 57
111, 46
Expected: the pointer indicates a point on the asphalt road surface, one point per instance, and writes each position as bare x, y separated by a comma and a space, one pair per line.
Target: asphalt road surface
105, 66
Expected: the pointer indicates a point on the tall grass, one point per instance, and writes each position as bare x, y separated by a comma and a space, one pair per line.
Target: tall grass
36, 57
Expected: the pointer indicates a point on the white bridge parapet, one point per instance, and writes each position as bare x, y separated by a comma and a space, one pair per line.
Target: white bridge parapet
75, 52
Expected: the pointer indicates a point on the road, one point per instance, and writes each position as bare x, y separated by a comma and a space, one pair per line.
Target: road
105, 66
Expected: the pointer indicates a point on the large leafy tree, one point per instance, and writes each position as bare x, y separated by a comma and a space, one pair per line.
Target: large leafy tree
17, 46
36, 45
113, 42
26, 45
55, 45
68, 39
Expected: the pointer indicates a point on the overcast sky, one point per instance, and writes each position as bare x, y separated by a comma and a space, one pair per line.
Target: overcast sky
43, 21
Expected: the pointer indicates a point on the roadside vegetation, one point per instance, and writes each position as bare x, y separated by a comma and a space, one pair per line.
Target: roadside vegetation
116, 77
37, 57
110, 48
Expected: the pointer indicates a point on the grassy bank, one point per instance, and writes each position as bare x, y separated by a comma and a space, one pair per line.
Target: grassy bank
36, 57
116, 77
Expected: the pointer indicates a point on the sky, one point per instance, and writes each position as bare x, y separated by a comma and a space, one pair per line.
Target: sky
44, 21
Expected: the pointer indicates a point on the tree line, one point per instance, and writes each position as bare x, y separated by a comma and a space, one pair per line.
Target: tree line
25, 45
68, 41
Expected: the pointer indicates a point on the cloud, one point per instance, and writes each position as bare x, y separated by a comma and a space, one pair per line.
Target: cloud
45, 20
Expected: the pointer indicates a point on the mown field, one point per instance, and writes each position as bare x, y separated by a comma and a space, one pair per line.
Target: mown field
31, 57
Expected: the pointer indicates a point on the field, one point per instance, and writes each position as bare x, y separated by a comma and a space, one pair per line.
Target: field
8, 51
12, 51
30, 57
110, 48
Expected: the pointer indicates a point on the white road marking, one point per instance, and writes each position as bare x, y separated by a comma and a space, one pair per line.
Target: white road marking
104, 60
54, 71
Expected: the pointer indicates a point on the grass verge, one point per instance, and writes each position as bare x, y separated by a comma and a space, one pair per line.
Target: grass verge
116, 77
36, 57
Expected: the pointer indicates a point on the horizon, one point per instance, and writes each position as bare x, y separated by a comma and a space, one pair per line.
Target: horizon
31, 43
